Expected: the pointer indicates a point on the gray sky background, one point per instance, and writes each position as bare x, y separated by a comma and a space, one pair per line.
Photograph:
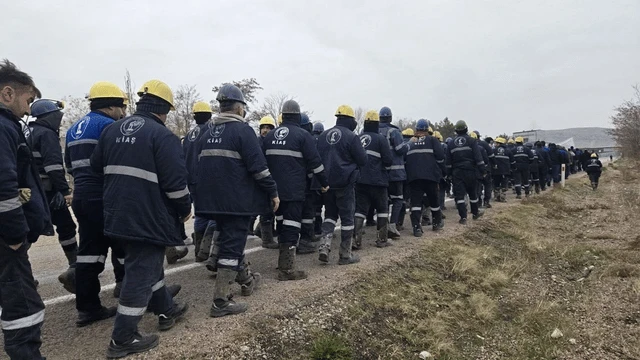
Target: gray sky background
501, 65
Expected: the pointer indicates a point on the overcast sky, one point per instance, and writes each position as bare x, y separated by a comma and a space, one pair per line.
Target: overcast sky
501, 65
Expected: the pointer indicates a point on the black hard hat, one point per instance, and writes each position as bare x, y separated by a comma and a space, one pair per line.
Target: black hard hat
230, 92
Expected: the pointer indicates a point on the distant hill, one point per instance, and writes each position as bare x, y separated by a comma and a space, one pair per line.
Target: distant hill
585, 137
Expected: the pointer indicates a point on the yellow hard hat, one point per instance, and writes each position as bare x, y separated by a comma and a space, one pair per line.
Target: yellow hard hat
438, 135
519, 139
500, 140
473, 135
202, 107
345, 110
267, 120
408, 132
159, 89
511, 141
371, 115
125, 98
105, 89
594, 155
430, 130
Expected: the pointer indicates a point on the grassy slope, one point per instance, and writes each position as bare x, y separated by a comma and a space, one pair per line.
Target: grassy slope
497, 291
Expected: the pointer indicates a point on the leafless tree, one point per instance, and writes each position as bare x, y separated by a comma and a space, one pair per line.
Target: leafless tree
75, 108
131, 93
359, 113
626, 126
181, 121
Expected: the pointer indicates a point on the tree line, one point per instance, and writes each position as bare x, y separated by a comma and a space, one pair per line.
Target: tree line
626, 126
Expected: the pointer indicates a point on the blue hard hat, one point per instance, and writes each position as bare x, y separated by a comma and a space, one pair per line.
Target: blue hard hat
45, 106
318, 127
448, 139
230, 92
422, 125
385, 112
304, 119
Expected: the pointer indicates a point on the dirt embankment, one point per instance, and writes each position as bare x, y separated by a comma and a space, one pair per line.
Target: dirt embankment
555, 277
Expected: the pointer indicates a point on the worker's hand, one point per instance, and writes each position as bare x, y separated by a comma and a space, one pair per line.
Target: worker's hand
324, 189
276, 203
186, 218
16, 246
68, 199
413, 139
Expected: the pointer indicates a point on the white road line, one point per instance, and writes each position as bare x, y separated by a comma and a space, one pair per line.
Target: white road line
70, 297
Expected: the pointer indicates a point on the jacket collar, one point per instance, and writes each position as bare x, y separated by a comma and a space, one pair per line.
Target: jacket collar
226, 118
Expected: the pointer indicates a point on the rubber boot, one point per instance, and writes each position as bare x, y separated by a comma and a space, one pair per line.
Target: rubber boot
212, 262
197, 240
382, 240
222, 303
175, 253
248, 281
325, 247
287, 264
266, 230
206, 244
438, 223
68, 278
417, 230
392, 232
359, 227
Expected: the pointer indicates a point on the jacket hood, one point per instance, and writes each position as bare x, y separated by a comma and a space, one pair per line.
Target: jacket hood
371, 126
227, 117
346, 121
52, 120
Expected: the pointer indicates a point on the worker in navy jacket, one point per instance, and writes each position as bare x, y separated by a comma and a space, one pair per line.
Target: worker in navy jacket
371, 188
594, 169
233, 170
291, 154
24, 215
523, 157
107, 105
342, 156
145, 199
424, 166
503, 163
44, 137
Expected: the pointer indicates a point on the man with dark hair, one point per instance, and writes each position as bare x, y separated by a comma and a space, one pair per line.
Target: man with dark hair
139, 155
24, 215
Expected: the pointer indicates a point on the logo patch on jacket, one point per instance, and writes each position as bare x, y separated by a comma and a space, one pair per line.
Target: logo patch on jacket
193, 134
217, 130
520, 149
365, 140
333, 136
500, 151
460, 141
281, 133
131, 126
81, 127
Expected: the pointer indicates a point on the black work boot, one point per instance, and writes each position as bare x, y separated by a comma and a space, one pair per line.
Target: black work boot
137, 344
350, 260
417, 231
168, 320
382, 240
89, 317
68, 278
287, 264
175, 253
222, 303
266, 232
478, 215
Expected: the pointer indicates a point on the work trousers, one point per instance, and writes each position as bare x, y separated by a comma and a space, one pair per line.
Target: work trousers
521, 179
92, 254
339, 203
542, 176
22, 307
396, 198
500, 182
430, 190
318, 203
308, 214
371, 196
465, 183
556, 173
65, 227
485, 188
291, 213
442, 191
230, 238
143, 287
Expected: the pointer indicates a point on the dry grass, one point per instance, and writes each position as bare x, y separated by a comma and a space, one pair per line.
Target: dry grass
500, 289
